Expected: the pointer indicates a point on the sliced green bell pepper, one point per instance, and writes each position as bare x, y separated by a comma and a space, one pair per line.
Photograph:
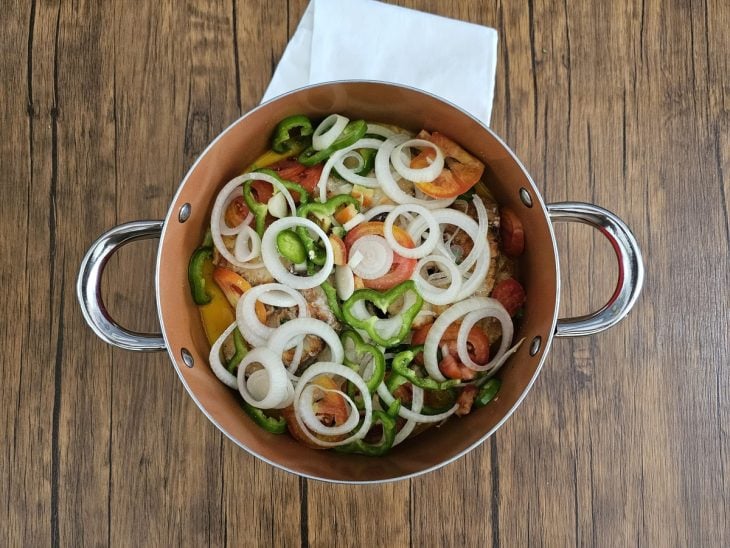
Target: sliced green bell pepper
387, 420
241, 350
270, 424
487, 392
355, 347
322, 211
195, 274
353, 132
383, 331
290, 246
400, 364
282, 140
331, 293
259, 209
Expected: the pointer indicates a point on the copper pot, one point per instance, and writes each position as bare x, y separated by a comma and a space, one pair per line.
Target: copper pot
181, 231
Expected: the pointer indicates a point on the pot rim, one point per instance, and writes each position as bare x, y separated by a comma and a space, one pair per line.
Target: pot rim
538, 201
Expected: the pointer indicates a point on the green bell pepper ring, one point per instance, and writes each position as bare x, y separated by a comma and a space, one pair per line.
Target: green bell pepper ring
270, 424
290, 246
195, 274
240, 353
353, 132
282, 139
387, 420
258, 209
355, 347
331, 294
438, 401
400, 364
322, 210
487, 392
385, 332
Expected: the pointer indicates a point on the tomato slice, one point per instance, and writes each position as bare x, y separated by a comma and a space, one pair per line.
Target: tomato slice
402, 268
330, 409
233, 286
462, 170
512, 233
477, 345
293, 171
236, 212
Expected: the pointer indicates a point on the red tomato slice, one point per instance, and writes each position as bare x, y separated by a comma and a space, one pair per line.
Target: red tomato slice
512, 233
236, 212
462, 170
293, 171
477, 345
402, 268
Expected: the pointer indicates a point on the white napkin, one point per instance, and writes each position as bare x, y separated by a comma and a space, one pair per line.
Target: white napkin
368, 40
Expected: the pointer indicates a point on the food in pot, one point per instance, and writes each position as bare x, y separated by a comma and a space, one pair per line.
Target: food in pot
355, 286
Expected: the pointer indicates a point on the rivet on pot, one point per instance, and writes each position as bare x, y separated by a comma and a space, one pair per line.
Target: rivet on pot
535, 345
187, 357
185, 211
525, 197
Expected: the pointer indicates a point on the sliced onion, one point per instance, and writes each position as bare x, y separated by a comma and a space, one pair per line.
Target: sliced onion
377, 129
449, 316
253, 330
328, 131
460, 221
277, 391
496, 367
330, 368
305, 411
272, 260
214, 358
416, 406
279, 298
390, 186
373, 212
352, 223
431, 293
258, 386
277, 205
494, 309
422, 175
434, 231
216, 214
248, 245
282, 337
410, 414
344, 281
350, 174
377, 257
329, 164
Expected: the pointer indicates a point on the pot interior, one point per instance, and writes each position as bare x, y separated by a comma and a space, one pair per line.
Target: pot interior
236, 148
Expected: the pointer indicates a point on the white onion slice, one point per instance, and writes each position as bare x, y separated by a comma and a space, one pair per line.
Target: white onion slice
258, 386
352, 223
461, 221
248, 244
253, 330
272, 260
216, 214
421, 175
434, 231
277, 390
431, 293
328, 131
305, 411
282, 337
449, 316
377, 257
390, 186
495, 309
344, 281
279, 298
409, 414
373, 212
377, 129
329, 164
330, 368
416, 406
214, 358
350, 175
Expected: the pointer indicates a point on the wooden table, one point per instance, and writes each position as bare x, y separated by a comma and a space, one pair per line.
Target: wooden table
622, 441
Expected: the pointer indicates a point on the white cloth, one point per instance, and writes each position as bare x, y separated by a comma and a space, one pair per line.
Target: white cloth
369, 40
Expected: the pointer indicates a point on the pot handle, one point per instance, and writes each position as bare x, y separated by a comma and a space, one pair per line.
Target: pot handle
88, 287
630, 267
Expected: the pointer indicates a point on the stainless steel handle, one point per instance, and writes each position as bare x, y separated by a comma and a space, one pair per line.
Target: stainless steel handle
88, 287
630, 267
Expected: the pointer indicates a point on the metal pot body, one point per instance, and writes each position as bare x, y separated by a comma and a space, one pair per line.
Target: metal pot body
180, 233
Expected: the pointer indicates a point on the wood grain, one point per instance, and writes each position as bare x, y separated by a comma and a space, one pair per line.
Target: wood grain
623, 440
